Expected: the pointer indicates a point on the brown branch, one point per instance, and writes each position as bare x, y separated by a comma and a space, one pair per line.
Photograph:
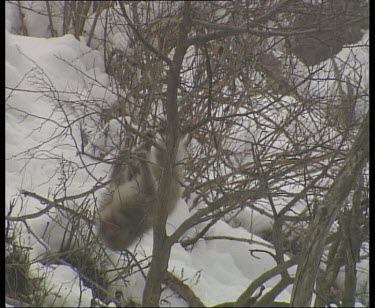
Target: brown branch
198, 217
242, 300
42, 200
227, 30
55, 203
270, 296
141, 38
162, 247
326, 215
93, 26
22, 18
53, 34
183, 290
272, 12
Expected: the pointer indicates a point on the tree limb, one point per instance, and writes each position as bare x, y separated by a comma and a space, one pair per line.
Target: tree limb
326, 215
182, 289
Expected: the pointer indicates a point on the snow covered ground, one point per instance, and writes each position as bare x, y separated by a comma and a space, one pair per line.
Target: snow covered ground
45, 78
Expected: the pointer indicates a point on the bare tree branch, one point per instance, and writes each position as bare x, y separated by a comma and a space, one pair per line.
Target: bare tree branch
183, 290
326, 215
242, 300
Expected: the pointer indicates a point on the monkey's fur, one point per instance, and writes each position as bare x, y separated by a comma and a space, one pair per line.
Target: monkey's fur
127, 212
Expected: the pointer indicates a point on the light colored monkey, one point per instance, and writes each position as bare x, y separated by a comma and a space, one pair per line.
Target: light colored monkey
127, 212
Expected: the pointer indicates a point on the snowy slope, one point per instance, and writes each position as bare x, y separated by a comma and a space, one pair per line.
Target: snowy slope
47, 80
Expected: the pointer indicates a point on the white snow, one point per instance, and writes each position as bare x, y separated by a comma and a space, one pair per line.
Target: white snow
55, 74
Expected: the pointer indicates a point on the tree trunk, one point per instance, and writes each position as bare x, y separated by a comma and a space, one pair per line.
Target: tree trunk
162, 244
